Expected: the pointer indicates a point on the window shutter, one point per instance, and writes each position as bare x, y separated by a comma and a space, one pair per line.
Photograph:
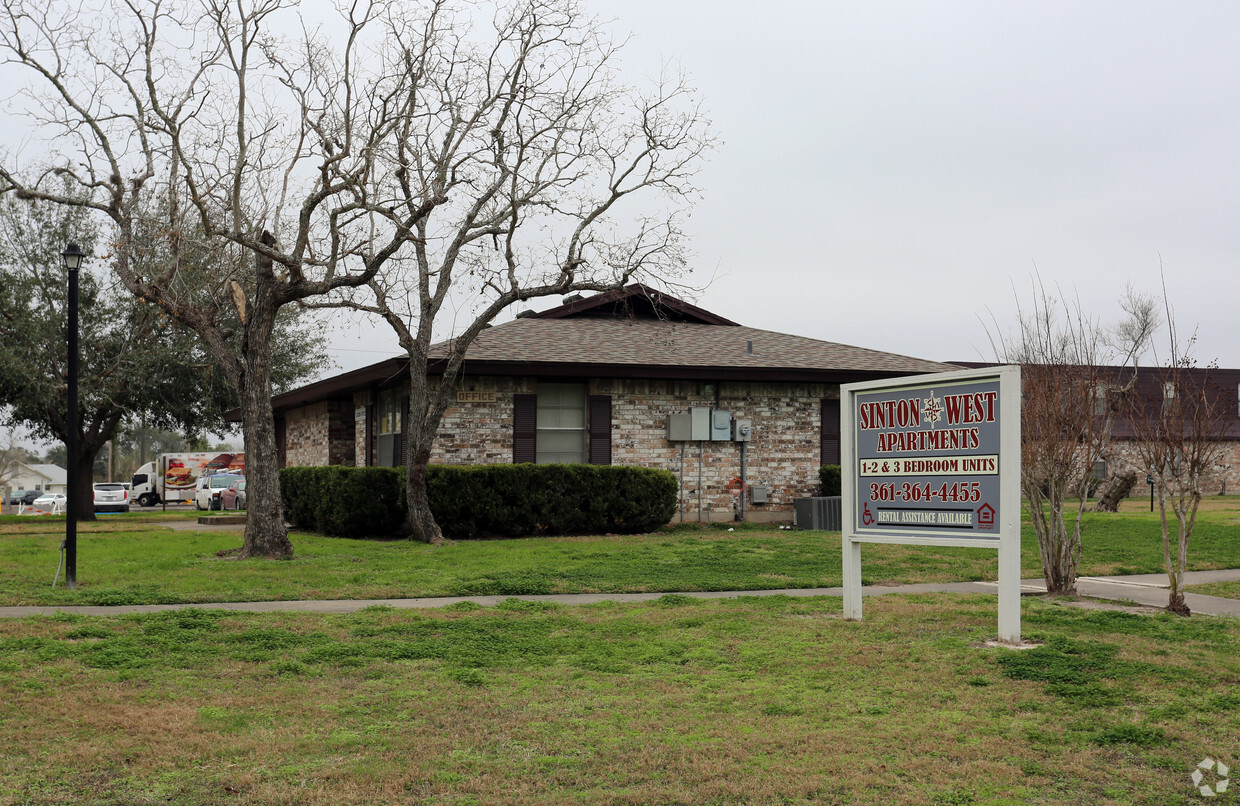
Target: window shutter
404, 431
600, 430
829, 448
524, 428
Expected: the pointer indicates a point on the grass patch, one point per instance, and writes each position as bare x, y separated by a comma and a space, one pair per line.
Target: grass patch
133, 561
1228, 590
671, 701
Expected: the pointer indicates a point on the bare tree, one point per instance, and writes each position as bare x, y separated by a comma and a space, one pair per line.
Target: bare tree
293, 166
514, 172
1072, 387
1179, 424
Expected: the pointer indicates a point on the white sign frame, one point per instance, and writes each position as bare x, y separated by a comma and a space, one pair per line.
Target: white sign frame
1007, 541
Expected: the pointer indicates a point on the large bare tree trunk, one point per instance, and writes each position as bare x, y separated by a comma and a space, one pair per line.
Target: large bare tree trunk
421, 521
266, 534
425, 412
1117, 488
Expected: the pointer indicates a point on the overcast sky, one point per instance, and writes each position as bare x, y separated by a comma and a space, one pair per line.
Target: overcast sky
891, 170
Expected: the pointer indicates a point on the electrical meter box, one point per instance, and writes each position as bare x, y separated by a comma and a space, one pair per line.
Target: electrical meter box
741, 429
689, 426
720, 425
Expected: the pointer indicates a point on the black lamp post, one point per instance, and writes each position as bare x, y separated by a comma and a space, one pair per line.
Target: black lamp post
73, 257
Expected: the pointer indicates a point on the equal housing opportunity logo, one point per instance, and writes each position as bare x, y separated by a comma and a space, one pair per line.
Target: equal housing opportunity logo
1210, 777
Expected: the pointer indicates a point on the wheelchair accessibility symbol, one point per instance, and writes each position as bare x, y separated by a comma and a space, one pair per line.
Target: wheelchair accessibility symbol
867, 518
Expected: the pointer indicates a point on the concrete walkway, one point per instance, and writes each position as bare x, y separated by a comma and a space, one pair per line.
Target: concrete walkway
1144, 589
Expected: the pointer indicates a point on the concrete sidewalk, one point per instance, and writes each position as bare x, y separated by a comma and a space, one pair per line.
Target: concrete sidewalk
1144, 589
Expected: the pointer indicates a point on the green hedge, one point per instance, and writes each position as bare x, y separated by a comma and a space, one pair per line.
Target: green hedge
829, 475
482, 500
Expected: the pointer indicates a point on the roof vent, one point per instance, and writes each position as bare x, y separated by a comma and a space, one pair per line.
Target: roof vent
524, 314
572, 298
749, 348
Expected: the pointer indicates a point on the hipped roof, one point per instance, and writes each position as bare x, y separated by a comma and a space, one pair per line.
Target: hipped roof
635, 332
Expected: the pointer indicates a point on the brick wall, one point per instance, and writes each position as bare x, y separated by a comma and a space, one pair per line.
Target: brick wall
1225, 480
319, 434
480, 432
361, 400
782, 453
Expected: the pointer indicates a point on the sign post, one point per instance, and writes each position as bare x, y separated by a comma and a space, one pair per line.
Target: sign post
934, 460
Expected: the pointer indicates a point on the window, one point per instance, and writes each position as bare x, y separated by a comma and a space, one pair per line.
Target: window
549, 423
1168, 396
388, 428
561, 423
1100, 399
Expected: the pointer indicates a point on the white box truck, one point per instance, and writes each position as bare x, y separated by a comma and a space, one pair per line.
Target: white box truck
173, 476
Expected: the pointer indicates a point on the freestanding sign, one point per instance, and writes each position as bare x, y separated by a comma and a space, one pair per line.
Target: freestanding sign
934, 460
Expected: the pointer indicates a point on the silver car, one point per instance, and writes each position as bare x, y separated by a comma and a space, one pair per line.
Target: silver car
111, 496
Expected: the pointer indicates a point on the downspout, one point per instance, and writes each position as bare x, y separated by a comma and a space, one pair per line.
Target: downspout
744, 480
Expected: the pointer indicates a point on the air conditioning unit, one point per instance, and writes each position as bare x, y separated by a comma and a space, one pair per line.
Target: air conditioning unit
823, 513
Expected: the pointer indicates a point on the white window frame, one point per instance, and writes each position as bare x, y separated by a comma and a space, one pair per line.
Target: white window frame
549, 421
1169, 396
388, 427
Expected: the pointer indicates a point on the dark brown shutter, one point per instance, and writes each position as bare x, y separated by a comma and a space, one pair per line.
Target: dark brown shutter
524, 428
600, 429
404, 431
829, 449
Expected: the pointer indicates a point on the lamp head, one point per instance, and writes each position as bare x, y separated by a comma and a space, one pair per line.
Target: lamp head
73, 257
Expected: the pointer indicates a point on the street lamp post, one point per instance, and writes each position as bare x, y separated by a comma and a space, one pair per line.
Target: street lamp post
73, 258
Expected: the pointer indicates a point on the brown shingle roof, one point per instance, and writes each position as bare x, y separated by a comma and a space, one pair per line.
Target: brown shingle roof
659, 348
636, 333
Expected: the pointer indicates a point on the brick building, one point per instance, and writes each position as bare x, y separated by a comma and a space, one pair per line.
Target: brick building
1155, 390
596, 380
1152, 390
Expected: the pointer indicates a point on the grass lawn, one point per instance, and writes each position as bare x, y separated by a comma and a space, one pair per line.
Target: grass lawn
1228, 590
129, 559
677, 701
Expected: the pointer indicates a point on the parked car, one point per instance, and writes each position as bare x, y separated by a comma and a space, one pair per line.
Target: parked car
111, 496
207, 492
50, 500
233, 496
24, 497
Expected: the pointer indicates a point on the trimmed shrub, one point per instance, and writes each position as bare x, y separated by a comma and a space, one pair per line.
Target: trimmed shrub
482, 500
344, 501
829, 476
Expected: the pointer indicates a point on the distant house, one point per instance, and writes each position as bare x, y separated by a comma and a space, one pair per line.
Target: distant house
1151, 392
44, 478
1222, 386
598, 380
